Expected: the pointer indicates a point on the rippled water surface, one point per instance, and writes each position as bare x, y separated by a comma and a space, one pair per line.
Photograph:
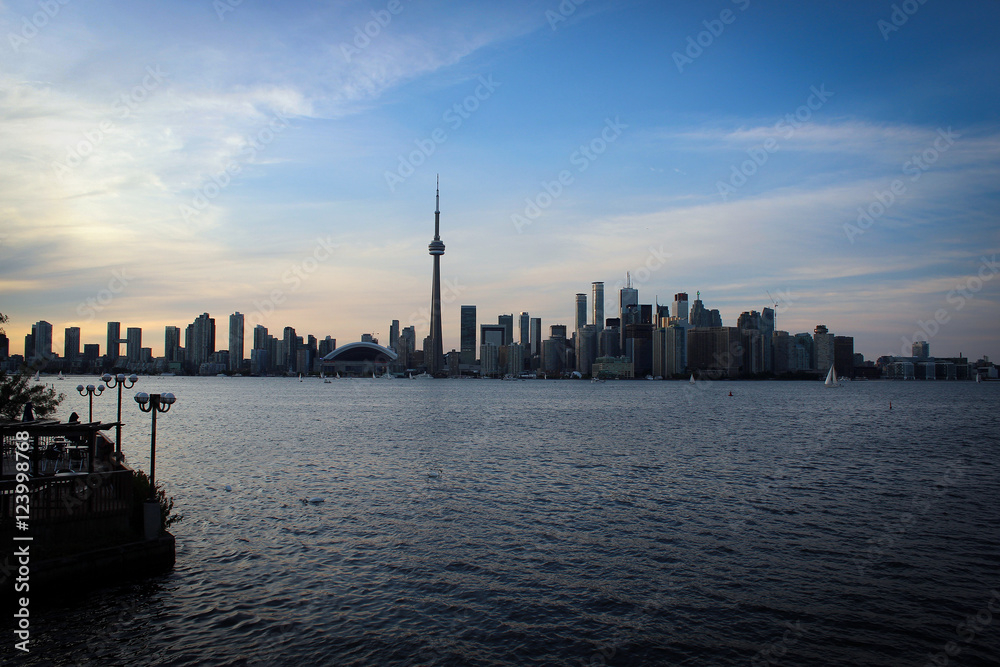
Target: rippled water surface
554, 523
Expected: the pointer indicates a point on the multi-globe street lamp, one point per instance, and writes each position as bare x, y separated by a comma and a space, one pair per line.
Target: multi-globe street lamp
119, 381
90, 391
153, 403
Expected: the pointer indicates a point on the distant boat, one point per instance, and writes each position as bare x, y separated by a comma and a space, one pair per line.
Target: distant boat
831, 378
979, 378
37, 378
691, 381
60, 376
300, 377
423, 376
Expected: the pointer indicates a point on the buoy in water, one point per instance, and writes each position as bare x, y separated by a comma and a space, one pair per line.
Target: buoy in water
730, 393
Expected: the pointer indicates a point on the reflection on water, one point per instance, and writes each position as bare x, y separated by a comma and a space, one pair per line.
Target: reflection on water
490, 523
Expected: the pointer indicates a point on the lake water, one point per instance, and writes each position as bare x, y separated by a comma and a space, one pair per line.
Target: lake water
558, 523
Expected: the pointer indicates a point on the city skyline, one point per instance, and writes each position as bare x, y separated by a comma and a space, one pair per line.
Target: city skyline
239, 158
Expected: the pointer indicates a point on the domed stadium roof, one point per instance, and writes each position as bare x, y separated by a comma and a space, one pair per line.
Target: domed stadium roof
362, 352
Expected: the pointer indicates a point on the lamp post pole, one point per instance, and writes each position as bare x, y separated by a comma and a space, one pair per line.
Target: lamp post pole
118, 381
153, 403
90, 391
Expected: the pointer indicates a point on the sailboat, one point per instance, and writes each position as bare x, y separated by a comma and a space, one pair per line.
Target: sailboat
300, 377
61, 376
979, 378
36, 378
691, 381
831, 378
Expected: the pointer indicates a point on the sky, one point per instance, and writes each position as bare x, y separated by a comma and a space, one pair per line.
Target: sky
161, 160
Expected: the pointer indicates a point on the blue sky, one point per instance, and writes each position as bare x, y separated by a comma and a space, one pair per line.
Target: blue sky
166, 159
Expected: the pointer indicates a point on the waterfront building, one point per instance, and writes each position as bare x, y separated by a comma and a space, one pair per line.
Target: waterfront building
113, 349
669, 350
586, 348
525, 331
843, 356
71, 345
598, 306
199, 340
489, 359
823, 348
581, 312
133, 345
613, 367
236, 342
715, 351
511, 359
921, 349
394, 335
507, 322
536, 336
361, 359
433, 351
494, 334
172, 344
681, 306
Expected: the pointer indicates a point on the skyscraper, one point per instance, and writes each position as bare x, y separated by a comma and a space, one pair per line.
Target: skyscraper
43, 339
236, 341
507, 322
202, 343
525, 332
133, 345
172, 344
72, 344
581, 311
260, 337
681, 306
598, 289
468, 334
434, 356
114, 348
394, 335
536, 336
628, 307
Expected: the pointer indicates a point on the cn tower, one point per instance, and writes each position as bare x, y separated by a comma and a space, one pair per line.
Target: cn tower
434, 357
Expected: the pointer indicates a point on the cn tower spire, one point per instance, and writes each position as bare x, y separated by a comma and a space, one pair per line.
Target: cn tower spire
437, 211
434, 356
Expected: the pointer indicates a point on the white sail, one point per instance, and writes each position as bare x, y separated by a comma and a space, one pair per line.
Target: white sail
979, 378
831, 378
691, 381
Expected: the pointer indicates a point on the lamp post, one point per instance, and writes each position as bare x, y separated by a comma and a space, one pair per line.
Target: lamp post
90, 391
153, 403
118, 381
